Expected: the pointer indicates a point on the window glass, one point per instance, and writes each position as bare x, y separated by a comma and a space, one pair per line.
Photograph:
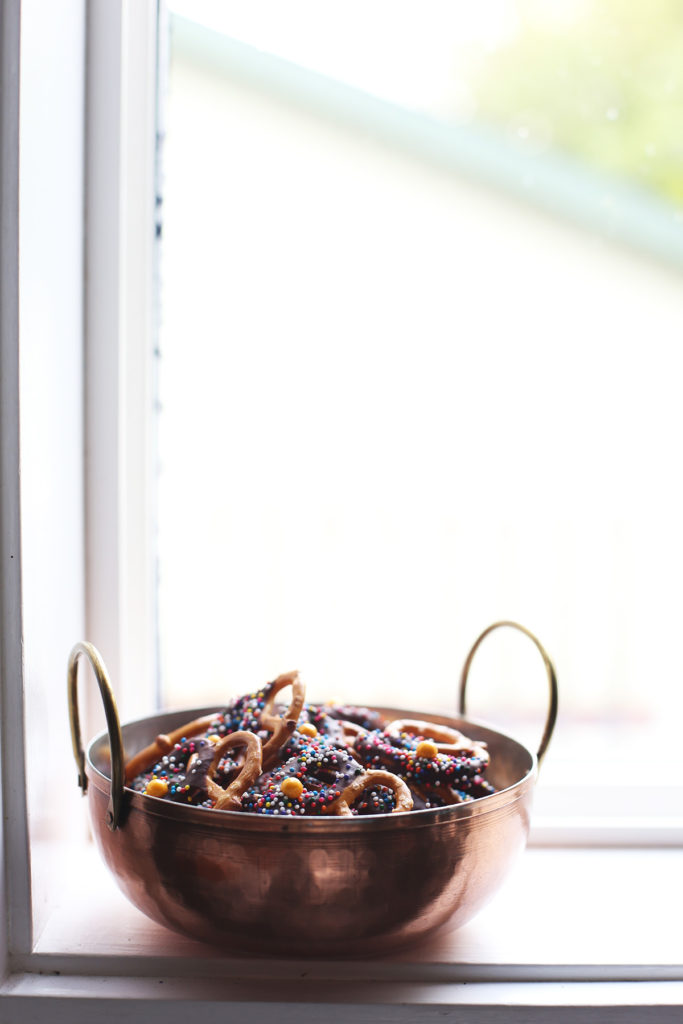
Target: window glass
421, 321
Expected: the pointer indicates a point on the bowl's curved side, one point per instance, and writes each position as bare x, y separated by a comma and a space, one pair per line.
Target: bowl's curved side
307, 892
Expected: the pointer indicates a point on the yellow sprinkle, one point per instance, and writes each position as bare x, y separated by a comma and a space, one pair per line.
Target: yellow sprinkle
308, 729
156, 787
213, 738
427, 749
292, 787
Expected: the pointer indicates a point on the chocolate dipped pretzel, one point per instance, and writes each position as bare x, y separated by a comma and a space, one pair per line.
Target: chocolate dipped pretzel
244, 713
163, 745
256, 712
280, 726
365, 718
306, 783
378, 781
230, 799
180, 774
315, 724
419, 762
445, 739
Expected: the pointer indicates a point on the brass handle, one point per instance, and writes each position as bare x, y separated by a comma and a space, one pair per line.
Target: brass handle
115, 805
552, 681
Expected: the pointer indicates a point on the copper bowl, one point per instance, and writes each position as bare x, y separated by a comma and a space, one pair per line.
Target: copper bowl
309, 886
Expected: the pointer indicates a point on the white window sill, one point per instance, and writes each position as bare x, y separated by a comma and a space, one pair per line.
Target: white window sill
577, 929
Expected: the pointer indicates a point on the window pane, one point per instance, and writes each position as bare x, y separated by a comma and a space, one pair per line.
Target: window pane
401, 400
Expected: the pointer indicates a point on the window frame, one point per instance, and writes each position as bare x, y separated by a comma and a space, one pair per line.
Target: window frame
118, 190
10, 580
103, 259
120, 197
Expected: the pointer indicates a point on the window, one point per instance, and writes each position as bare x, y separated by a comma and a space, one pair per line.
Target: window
417, 390
69, 940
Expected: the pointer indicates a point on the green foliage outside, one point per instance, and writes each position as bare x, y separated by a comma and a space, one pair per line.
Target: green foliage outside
604, 83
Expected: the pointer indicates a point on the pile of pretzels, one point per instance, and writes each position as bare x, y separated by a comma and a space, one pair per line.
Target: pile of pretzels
257, 756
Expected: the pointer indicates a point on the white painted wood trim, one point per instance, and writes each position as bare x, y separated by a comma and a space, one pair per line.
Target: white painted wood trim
120, 395
653, 833
298, 1000
15, 875
534, 930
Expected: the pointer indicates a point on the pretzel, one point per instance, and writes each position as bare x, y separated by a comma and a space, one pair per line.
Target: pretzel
342, 805
366, 718
330, 732
442, 796
306, 783
351, 731
163, 744
281, 726
446, 739
419, 762
230, 799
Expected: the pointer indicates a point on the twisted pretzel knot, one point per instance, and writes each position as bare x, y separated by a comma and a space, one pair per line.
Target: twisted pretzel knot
376, 777
230, 799
283, 726
351, 731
